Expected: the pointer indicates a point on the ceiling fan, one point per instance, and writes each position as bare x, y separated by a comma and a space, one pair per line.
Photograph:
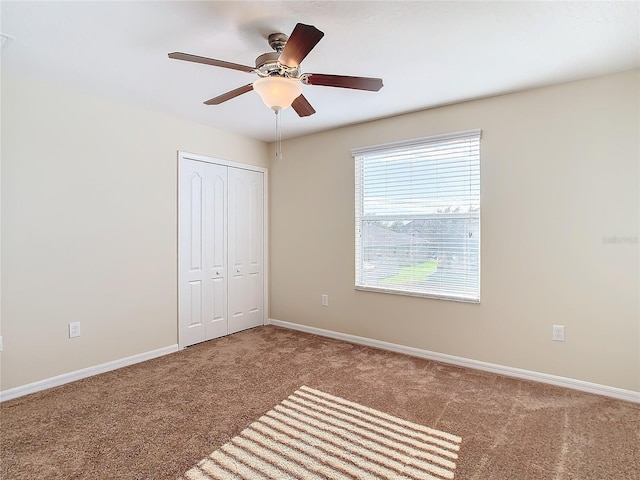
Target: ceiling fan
280, 82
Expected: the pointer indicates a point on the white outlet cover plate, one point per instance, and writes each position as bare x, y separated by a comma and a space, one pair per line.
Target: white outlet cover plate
558, 333
74, 329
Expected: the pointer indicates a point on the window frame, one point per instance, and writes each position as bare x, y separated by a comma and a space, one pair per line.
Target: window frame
404, 146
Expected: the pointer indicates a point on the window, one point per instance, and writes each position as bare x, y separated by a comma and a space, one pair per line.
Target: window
418, 217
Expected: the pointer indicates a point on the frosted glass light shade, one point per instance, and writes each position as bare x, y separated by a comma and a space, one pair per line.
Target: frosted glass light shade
277, 93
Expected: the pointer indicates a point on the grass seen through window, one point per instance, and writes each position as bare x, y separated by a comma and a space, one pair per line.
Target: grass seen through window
412, 273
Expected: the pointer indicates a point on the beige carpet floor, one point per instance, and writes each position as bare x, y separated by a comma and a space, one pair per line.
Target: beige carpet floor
159, 419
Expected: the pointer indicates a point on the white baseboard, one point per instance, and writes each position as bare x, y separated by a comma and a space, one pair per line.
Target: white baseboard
619, 393
84, 373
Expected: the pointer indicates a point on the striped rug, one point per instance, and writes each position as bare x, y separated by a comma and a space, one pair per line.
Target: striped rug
316, 436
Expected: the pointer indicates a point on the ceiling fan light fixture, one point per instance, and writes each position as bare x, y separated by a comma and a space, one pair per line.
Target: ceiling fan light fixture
277, 93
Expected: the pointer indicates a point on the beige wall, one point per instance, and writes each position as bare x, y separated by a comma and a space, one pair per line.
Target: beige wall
560, 171
89, 231
89, 226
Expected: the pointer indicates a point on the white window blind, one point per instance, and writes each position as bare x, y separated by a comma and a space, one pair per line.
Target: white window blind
417, 209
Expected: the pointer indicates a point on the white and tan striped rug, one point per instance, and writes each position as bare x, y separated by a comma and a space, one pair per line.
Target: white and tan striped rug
315, 436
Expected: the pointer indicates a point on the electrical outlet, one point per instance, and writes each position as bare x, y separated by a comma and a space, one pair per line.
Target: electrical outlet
558, 333
324, 300
74, 329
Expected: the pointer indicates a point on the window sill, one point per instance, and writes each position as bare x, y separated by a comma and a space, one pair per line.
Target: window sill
417, 294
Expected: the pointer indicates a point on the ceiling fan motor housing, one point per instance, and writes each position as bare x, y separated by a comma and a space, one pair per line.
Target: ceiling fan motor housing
267, 65
267, 59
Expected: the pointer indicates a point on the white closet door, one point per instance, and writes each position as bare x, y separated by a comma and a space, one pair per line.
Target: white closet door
245, 234
202, 260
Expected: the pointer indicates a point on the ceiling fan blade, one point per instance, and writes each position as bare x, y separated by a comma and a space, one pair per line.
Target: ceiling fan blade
210, 61
343, 81
302, 107
300, 43
229, 95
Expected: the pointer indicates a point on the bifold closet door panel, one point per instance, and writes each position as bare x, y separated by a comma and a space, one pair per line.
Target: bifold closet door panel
216, 251
245, 247
202, 259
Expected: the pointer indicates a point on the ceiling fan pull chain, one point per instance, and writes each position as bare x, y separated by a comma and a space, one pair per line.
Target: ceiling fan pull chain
278, 136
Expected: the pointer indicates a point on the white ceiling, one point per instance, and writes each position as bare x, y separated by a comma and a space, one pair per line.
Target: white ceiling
428, 53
